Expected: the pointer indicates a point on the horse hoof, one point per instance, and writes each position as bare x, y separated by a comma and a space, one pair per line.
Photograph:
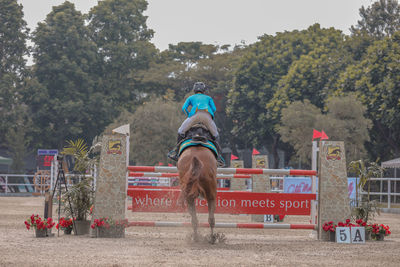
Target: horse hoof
212, 239
217, 237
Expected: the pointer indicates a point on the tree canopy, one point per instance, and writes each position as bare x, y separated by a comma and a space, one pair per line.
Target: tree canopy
381, 19
344, 119
119, 30
13, 49
65, 101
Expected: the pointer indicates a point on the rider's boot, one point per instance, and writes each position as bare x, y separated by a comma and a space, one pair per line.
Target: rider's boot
174, 154
221, 162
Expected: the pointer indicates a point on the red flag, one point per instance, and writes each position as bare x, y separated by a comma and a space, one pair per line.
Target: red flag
316, 134
324, 136
256, 152
233, 157
160, 164
170, 165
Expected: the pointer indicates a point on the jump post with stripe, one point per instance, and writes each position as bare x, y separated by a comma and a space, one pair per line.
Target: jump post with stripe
238, 185
260, 182
111, 183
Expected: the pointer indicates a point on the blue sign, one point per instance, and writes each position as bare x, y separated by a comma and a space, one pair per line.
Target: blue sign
303, 185
47, 152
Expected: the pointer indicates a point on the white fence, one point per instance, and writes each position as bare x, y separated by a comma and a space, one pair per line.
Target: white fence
389, 193
8, 184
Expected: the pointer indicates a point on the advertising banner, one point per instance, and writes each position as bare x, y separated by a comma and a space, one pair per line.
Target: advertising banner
240, 202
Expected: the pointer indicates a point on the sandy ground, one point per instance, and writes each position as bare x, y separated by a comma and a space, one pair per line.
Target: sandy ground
144, 246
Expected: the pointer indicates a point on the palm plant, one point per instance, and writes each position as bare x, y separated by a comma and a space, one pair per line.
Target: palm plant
80, 151
365, 171
81, 194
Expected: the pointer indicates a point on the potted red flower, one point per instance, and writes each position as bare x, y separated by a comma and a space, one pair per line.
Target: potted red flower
107, 227
41, 225
66, 225
330, 227
379, 231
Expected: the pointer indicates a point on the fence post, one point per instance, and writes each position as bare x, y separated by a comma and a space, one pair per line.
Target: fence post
314, 163
6, 184
389, 198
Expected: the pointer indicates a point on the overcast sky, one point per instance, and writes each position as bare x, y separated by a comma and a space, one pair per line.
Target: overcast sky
224, 21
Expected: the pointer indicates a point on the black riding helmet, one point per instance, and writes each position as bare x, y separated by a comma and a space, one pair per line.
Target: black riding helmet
199, 87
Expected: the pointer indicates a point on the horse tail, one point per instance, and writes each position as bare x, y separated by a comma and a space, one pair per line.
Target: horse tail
193, 187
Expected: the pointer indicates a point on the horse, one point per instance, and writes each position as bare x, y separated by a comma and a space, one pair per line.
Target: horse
197, 167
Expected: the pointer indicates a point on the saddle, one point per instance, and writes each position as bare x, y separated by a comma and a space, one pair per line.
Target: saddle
199, 132
198, 135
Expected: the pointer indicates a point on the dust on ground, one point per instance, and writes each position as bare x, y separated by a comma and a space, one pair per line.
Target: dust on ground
145, 246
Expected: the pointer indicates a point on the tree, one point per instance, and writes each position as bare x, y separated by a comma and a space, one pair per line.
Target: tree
344, 120
118, 27
13, 36
298, 121
17, 138
381, 19
376, 82
64, 94
257, 78
153, 130
312, 76
181, 65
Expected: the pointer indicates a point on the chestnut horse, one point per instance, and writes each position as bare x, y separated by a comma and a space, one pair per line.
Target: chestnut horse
197, 168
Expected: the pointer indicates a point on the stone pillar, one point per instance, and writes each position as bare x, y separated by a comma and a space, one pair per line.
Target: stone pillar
111, 182
238, 184
260, 183
334, 203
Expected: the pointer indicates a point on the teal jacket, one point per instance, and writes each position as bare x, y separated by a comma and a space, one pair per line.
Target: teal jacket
199, 102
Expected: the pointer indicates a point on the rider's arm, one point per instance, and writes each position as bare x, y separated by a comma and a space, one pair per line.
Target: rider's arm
212, 105
185, 106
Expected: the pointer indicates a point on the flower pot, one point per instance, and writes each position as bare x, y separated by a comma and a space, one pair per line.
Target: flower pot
40, 232
380, 237
114, 231
67, 231
368, 235
82, 227
332, 236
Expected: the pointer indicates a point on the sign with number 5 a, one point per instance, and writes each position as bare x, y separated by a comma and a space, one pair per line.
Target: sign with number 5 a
343, 235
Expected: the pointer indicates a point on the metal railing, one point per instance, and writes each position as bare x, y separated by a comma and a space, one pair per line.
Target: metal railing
7, 186
389, 192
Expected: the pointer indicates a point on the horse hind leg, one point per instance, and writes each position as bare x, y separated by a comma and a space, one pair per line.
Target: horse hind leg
195, 222
211, 219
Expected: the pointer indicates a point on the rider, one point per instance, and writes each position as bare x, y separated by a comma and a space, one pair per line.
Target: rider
202, 110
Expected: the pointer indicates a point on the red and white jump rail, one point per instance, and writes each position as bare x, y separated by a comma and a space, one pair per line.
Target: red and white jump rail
226, 225
160, 174
277, 172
